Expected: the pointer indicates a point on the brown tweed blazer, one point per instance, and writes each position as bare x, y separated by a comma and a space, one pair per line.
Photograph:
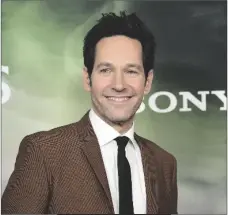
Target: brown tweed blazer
61, 171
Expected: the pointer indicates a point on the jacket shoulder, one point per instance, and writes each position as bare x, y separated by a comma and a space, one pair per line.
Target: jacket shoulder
56, 142
159, 152
55, 135
54, 145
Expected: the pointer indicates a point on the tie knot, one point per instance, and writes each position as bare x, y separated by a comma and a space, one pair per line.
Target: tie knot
122, 141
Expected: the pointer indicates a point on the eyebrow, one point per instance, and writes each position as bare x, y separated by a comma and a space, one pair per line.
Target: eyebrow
103, 64
107, 64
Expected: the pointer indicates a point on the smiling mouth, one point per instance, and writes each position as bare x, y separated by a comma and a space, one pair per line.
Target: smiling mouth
118, 99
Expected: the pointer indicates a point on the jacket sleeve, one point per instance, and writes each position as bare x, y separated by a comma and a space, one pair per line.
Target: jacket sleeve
27, 190
174, 189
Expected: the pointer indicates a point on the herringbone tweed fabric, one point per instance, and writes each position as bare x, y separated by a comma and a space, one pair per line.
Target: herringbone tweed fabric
61, 171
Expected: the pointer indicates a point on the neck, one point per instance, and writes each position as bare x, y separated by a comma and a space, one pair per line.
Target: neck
120, 126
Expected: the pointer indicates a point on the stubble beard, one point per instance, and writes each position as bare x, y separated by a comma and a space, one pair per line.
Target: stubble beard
106, 114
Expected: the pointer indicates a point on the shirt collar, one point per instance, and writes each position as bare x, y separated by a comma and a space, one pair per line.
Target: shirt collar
106, 133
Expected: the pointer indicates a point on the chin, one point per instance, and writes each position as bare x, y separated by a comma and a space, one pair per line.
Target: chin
120, 118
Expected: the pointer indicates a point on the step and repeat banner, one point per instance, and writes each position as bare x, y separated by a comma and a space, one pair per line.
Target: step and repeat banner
185, 113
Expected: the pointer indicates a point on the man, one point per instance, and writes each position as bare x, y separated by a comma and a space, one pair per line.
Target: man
99, 164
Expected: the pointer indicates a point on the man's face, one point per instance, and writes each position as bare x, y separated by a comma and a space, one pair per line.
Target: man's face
118, 79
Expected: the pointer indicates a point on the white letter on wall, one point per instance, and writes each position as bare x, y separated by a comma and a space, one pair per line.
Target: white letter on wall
141, 107
201, 104
6, 92
153, 105
222, 97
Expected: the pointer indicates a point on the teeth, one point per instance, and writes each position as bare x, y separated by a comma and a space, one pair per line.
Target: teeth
118, 99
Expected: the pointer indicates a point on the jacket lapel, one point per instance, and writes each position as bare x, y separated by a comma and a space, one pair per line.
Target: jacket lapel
150, 173
92, 151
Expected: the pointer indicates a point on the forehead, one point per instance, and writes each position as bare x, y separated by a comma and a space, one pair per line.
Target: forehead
119, 50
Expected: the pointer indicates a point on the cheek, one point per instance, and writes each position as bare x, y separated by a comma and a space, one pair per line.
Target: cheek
98, 87
138, 86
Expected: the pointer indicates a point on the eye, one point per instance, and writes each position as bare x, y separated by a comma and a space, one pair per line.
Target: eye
132, 72
105, 70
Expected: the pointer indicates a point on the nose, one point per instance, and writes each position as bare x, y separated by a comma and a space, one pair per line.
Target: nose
118, 82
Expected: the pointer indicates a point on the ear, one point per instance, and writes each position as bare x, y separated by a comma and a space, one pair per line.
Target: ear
86, 80
149, 82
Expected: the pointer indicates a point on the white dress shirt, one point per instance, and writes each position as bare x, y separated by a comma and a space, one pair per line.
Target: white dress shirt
106, 135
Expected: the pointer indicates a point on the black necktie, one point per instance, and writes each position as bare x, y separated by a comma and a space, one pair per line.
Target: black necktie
124, 172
